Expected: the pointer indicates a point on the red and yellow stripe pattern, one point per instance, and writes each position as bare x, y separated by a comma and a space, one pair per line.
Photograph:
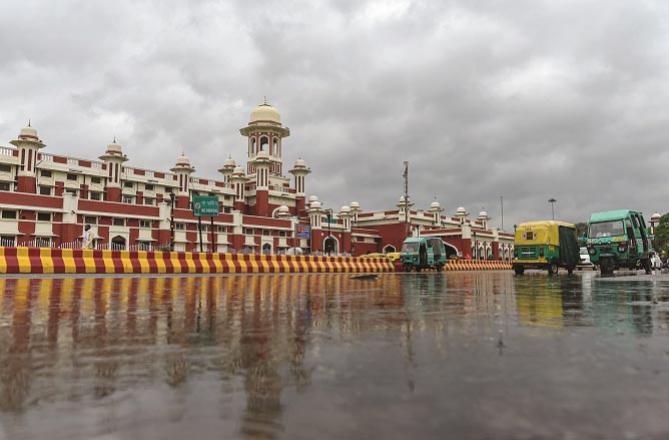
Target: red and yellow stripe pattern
17, 260
471, 265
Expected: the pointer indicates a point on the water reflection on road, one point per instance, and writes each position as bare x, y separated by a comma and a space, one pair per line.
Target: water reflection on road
475, 355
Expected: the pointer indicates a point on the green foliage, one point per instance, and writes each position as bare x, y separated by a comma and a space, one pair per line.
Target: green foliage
581, 229
661, 239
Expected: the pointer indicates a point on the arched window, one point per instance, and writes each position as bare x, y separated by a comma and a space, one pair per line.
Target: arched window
264, 143
389, 248
253, 146
275, 147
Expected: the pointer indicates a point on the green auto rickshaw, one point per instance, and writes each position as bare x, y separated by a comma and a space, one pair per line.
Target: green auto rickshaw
420, 253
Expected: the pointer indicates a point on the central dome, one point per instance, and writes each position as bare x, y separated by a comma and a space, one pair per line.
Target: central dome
265, 113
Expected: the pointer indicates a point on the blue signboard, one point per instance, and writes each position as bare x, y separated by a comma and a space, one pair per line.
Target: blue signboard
303, 231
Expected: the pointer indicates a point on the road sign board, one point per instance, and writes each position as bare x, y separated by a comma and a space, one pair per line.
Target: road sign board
302, 231
204, 206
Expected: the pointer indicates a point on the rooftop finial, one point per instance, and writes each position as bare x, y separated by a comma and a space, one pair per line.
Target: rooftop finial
29, 123
114, 138
264, 100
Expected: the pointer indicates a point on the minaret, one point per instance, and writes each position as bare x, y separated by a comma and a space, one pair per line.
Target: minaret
28, 144
238, 181
300, 171
265, 133
227, 169
436, 210
483, 219
262, 164
183, 170
113, 159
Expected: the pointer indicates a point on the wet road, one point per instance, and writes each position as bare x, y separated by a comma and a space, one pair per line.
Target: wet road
457, 355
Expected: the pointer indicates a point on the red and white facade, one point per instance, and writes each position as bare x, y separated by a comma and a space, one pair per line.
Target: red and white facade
46, 200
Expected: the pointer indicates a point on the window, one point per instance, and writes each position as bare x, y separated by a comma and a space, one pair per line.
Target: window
168, 190
148, 187
179, 226
45, 173
8, 214
149, 201
91, 220
144, 224
119, 222
127, 199
529, 235
71, 177
5, 186
96, 195
71, 191
227, 209
43, 216
5, 168
95, 179
127, 184
45, 190
222, 228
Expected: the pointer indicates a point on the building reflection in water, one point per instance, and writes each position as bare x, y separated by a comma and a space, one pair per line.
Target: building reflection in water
87, 338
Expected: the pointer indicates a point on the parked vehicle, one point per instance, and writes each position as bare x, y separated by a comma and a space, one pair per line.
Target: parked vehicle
546, 245
584, 258
619, 239
420, 253
655, 261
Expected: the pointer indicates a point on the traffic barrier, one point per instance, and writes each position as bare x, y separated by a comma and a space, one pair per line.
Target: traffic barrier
16, 260
471, 265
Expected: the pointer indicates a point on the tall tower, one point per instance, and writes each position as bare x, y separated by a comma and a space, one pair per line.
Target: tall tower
113, 159
300, 171
183, 170
28, 144
238, 182
265, 133
262, 164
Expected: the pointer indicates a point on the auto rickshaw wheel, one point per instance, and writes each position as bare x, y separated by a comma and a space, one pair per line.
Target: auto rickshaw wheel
552, 269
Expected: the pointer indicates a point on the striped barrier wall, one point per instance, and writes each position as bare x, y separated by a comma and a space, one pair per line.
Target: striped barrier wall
472, 265
17, 260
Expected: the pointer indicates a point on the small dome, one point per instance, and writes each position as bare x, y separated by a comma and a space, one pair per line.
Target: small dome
265, 113
28, 133
114, 147
315, 204
345, 209
656, 216
355, 205
313, 199
183, 160
300, 163
238, 170
402, 199
461, 210
229, 162
483, 214
435, 204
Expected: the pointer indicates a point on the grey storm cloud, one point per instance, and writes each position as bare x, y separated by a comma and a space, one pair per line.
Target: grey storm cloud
527, 99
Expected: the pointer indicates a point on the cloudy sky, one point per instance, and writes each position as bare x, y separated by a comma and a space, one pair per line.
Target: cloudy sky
528, 100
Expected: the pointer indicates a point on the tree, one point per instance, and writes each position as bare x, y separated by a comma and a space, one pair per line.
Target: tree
661, 238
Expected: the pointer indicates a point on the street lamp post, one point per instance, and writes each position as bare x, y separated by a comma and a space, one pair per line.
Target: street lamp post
172, 197
552, 202
329, 211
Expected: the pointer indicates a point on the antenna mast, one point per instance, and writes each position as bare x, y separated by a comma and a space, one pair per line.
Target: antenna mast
406, 197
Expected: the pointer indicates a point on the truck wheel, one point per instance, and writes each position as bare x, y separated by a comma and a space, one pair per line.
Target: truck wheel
519, 270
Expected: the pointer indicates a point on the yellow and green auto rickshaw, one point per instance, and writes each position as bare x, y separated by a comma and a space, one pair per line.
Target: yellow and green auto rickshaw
546, 245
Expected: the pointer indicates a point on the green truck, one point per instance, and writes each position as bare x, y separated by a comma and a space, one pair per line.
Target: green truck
619, 239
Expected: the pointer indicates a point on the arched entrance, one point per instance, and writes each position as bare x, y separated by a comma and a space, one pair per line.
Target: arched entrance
118, 243
389, 248
266, 249
330, 246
